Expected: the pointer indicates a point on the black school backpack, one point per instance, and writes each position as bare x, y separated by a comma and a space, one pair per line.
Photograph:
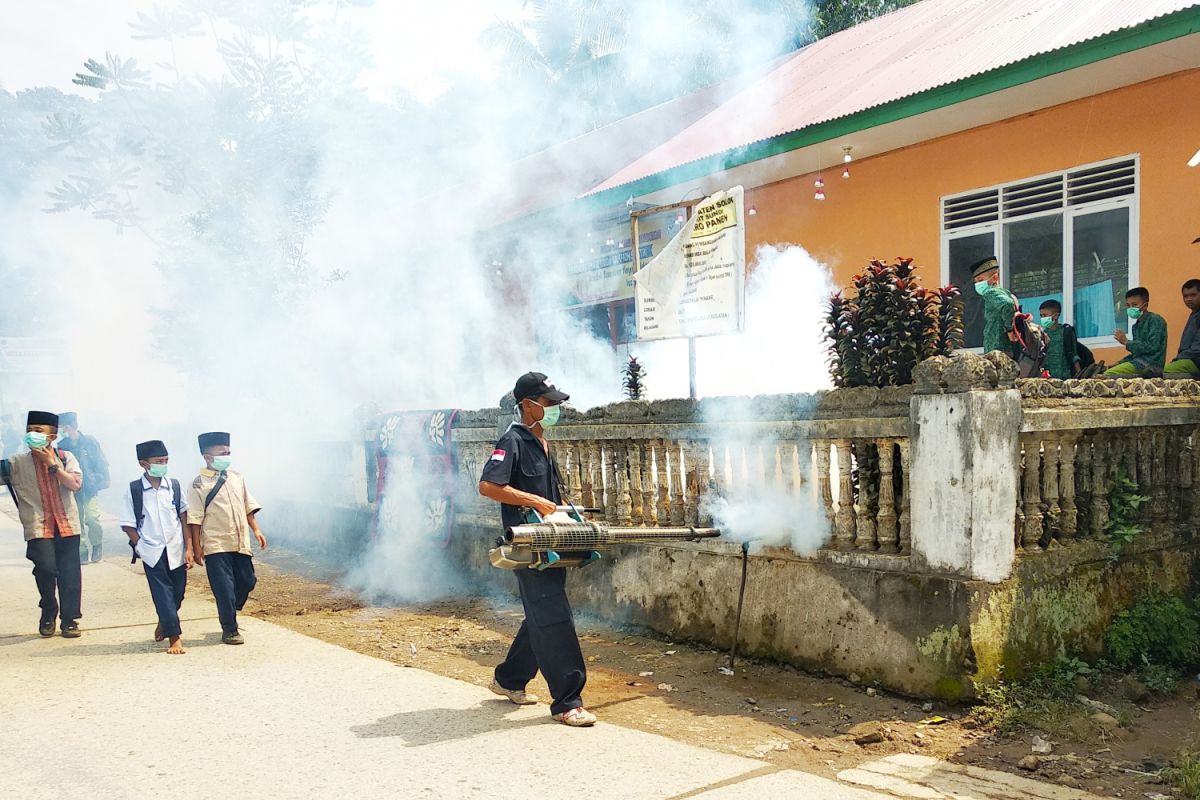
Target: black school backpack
1032, 343
1086, 359
138, 497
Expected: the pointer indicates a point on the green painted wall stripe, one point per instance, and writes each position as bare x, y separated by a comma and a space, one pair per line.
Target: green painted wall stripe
1152, 32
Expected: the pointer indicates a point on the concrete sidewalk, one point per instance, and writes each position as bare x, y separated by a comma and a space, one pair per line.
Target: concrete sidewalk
285, 716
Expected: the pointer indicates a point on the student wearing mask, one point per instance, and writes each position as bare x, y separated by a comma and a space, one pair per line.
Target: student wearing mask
45, 481
1186, 363
154, 515
1062, 353
1148, 345
220, 519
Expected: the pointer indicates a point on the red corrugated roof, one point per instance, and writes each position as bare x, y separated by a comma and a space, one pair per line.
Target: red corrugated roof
929, 44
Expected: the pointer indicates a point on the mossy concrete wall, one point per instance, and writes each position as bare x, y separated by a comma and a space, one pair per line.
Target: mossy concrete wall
1059, 603
918, 633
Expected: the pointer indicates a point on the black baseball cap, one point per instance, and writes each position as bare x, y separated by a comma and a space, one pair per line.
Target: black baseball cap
533, 385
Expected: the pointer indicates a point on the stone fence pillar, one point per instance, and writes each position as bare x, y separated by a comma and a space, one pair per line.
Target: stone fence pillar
965, 418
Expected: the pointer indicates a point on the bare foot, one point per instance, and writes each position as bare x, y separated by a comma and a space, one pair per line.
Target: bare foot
158, 634
176, 647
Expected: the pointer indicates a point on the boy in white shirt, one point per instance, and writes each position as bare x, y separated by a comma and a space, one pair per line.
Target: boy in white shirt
154, 516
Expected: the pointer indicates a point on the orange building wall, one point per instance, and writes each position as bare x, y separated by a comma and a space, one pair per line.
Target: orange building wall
891, 206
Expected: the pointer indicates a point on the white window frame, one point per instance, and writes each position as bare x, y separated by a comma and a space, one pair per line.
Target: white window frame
1069, 214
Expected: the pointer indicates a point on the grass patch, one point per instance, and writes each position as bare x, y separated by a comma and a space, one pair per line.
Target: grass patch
1045, 699
1185, 774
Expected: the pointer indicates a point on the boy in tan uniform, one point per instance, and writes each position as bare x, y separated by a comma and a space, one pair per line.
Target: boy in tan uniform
220, 517
44, 482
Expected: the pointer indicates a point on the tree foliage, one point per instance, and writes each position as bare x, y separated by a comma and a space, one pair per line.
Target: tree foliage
890, 325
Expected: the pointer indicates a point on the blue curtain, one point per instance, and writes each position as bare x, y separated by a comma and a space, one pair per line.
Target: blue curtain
1093, 308
1094, 315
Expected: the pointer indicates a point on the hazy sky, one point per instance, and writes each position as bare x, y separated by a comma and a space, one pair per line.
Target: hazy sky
415, 44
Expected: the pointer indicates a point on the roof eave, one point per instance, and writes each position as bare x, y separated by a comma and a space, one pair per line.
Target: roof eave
1147, 34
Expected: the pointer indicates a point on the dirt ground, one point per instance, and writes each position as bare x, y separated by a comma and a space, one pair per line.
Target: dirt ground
780, 714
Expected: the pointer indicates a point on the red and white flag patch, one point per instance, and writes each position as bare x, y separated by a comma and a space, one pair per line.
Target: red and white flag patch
498, 455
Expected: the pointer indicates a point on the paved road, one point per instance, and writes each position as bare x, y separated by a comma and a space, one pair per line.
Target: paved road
109, 715
286, 716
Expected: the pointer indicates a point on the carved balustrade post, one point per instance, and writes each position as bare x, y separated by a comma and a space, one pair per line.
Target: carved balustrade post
1031, 529
844, 519
1083, 484
824, 483
1100, 469
1068, 516
621, 470
905, 499
663, 462
678, 480
1050, 485
635, 481
885, 527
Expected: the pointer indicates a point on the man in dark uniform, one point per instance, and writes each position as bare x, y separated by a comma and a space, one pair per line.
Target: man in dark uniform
521, 475
95, 479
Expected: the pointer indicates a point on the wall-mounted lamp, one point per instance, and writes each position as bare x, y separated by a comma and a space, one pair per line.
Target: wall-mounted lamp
846, 157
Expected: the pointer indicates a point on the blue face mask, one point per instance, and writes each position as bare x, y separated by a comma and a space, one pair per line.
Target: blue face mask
157, 471
36, 441
1046, 322
221, 463
981, 287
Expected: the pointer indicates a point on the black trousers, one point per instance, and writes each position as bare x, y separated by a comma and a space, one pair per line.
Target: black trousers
546, 641
56, 570
231, 577
166, 589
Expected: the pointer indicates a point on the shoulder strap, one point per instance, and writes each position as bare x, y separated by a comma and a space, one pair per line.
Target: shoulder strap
175, 493
135, 494
6, 476
213, 493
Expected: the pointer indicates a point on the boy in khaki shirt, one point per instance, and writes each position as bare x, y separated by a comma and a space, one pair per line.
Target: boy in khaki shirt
220, 520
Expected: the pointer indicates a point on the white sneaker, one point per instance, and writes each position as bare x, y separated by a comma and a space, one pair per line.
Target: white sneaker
577, 718
518, 697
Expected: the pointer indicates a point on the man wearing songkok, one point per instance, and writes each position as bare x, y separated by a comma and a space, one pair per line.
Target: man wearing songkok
44, 481
153, 517
220, 520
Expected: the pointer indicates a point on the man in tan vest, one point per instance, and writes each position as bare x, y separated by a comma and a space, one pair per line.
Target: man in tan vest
44, 482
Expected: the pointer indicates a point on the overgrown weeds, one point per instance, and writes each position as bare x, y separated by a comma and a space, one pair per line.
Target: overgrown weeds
1150, 644
1185, 774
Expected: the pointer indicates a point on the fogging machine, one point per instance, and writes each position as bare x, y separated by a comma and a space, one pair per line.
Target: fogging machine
541, 544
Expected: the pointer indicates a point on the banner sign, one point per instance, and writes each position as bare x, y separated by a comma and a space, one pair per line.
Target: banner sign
697, 285
603, 271
22, 356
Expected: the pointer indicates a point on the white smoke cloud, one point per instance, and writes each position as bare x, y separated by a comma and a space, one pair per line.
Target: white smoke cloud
392, 300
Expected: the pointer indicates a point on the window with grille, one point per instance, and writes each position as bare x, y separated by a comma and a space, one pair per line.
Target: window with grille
1070, 235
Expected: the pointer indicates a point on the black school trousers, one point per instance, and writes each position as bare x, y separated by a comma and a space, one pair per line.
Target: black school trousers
546, 641
56, 572
167, 587
231, 578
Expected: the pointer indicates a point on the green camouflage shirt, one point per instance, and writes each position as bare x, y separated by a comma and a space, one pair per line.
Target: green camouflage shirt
1059, 363
1147, 345
999, 305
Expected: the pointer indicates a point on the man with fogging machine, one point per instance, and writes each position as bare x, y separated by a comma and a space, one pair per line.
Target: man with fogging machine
43, 482
521, 475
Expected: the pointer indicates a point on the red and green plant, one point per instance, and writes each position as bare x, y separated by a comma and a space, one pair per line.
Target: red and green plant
891, 324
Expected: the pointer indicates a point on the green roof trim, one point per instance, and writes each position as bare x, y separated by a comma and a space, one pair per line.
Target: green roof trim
1155, 31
